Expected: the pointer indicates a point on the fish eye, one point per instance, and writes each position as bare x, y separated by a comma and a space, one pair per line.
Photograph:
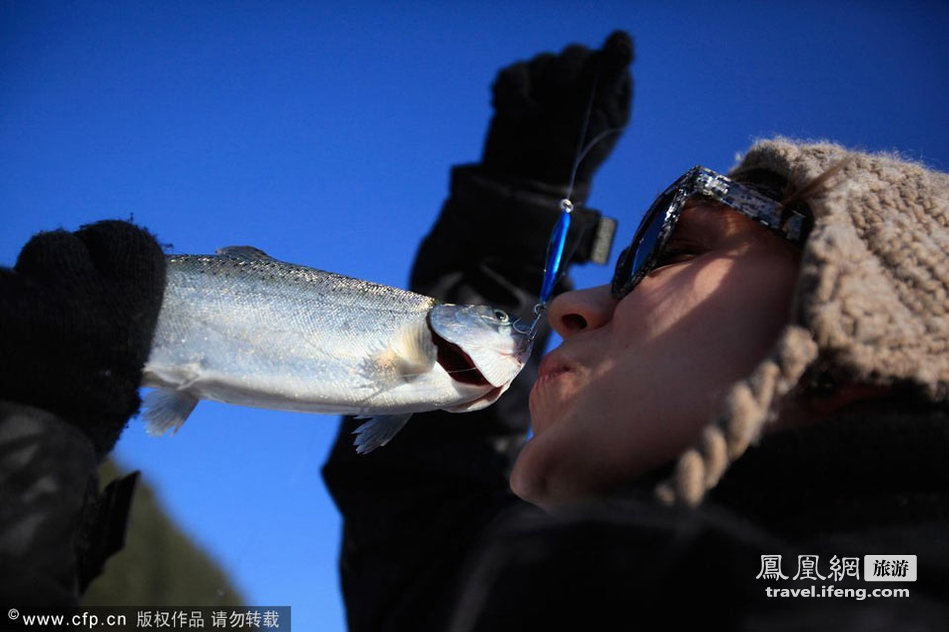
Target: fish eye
501, 316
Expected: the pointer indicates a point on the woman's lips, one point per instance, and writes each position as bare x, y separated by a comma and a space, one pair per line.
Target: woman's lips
552, 374
547, 397
549, 370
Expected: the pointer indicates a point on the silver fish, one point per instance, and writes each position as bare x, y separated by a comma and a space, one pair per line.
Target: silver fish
244, 328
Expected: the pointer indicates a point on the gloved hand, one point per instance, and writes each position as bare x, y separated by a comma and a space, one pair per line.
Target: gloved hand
540, 106
77, 315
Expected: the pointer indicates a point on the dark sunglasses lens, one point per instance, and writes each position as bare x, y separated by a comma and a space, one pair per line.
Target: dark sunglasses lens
646, 241
634, 259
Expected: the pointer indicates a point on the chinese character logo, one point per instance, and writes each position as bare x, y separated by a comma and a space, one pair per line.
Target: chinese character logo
807, 567
841, 567
771, 568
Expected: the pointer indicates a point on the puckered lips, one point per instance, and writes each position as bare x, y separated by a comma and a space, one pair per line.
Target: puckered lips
544, 393
550, 367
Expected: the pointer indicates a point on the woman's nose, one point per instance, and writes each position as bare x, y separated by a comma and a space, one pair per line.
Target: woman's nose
573, 312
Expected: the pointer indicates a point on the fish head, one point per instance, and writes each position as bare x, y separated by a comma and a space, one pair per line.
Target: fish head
478, 344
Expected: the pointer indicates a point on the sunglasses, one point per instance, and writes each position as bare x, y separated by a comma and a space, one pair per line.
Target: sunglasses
659, 222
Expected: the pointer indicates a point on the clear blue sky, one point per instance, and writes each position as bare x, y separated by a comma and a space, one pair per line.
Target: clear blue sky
323, 134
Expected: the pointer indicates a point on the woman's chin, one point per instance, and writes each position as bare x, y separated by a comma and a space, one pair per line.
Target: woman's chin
541, 474
527, 481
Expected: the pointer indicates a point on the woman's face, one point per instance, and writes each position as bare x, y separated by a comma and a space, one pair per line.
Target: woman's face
635, 380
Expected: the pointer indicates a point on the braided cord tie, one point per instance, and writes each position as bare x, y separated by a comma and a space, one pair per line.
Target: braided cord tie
748, 407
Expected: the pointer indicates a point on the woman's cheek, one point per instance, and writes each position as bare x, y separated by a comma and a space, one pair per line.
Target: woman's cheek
662, 300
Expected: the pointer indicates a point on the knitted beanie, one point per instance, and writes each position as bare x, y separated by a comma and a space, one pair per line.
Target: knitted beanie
871, 304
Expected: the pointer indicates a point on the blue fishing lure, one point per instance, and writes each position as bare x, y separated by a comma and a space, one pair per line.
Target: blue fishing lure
558, 239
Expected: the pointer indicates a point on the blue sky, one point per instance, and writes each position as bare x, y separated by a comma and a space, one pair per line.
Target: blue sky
323, 133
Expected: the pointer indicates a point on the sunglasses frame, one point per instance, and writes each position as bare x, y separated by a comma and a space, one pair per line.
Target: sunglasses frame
700, 181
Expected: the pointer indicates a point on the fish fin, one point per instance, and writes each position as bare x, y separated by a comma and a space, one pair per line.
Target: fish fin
245, 252
410, 354
415, 350
165, 410
378, 431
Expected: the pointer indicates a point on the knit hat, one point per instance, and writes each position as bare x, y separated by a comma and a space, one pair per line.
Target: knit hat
871, 304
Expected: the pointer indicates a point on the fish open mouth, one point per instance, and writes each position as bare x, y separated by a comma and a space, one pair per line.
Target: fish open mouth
457, 363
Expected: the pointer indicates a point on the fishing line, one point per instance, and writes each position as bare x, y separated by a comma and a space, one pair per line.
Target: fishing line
558, 236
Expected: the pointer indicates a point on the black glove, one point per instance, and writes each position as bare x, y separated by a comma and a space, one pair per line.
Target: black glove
540, 107
77, 315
